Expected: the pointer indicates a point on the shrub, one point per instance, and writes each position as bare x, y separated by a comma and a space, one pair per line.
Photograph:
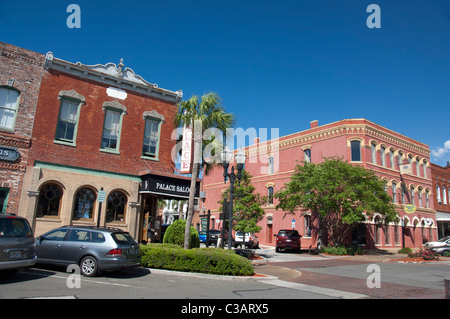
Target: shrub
342, 250
425, 254
405, 250
175, 235
205, 260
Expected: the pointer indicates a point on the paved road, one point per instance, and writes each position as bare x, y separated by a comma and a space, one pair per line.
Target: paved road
294, 276
351, 274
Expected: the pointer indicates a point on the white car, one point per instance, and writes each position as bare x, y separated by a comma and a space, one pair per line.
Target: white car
441, 242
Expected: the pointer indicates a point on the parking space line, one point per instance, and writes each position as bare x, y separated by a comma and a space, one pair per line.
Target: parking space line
319, 290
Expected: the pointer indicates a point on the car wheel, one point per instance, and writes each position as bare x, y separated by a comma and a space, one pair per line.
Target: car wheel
89, 266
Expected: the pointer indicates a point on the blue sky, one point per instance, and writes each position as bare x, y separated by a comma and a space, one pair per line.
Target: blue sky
276, 64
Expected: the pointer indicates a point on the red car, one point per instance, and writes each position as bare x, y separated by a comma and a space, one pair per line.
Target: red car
288, 239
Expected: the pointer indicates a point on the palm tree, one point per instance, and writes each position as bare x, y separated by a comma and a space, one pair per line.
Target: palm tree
200, 115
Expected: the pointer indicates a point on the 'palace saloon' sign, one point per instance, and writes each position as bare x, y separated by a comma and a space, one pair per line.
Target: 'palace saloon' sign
8, 153
167, 186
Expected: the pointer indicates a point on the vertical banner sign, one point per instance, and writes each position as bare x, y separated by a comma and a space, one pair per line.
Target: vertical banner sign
186, 151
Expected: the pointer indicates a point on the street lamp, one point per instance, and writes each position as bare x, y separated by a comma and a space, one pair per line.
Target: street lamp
240, 160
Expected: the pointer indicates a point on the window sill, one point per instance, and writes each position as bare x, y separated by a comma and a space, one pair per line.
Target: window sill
156, 159
72, 144
109, 151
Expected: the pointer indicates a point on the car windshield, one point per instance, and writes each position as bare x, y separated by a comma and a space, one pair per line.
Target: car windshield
123, 239
214, 231
443, 239
290, 233
14, 227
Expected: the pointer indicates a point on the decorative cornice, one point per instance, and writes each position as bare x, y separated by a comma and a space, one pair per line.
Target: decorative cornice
153, 114
331, 131
115, 105
73, 95
112, 74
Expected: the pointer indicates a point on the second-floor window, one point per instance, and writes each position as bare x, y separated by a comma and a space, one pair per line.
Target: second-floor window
150, 147
8, 108
355, 151
111, 130
67, 121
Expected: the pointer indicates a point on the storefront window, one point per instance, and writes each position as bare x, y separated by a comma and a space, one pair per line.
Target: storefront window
49, 201
115, 210
84, 204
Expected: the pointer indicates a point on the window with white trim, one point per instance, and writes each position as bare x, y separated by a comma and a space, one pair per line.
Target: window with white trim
8, 108
67, 121
150, 147
111, 130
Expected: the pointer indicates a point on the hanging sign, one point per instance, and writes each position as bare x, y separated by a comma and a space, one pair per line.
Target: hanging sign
409, 209
406, 169
8, 153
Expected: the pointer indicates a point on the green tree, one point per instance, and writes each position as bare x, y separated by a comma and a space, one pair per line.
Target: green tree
201, 115
247, 211
341, 194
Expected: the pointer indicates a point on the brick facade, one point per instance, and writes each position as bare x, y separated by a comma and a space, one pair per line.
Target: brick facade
441, 186
335, 139
69, 165
21, 71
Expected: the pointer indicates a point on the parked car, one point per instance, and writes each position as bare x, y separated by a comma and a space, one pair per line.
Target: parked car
214, 235
440, 243
202, 236
250, 240
17, 248
288, 239
93, 249
441, 250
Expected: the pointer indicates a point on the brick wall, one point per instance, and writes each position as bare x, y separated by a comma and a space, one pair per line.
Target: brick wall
88, 141
22, 70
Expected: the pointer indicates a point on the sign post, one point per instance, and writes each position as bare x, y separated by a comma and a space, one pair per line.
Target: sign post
100, 199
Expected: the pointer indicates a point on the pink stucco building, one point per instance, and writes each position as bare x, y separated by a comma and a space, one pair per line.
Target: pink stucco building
360, 142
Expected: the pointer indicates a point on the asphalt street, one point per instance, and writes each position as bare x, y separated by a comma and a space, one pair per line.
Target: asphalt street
287, 276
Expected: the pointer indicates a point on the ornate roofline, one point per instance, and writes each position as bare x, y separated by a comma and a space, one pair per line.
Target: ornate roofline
112, 74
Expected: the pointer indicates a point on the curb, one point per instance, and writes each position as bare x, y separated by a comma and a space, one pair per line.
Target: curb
210, 276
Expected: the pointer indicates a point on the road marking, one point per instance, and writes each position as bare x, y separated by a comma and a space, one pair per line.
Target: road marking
319, 290
57, 297
83, 280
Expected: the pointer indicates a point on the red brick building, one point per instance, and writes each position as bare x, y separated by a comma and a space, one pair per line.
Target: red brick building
102, 137
360, 142
441, 185
20, 78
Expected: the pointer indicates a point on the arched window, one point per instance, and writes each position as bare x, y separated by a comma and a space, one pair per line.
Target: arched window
307, 155
374, 152
403, 193
444, 195
394, 192
116, 207
356, 151
270, 195
84, 204
49, 201
419, 194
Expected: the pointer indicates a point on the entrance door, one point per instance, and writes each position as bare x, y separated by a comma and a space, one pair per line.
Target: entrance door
3, 199
145, 226
269, 233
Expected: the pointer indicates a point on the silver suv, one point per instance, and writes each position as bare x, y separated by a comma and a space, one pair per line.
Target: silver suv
93, 249
16, 243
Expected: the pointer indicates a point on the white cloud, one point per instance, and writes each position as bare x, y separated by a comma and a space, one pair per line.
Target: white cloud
441, 151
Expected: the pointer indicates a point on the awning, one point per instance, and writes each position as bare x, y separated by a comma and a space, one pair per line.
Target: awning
442, 217
168, 186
